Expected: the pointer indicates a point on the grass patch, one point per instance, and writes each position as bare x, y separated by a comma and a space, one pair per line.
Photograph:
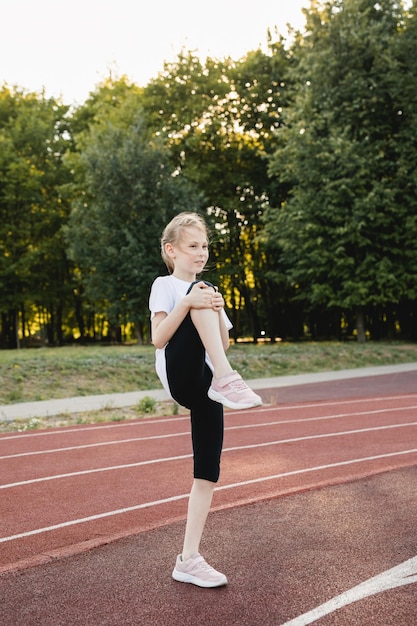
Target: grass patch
100, 416
44, 373
41, 374
284, 359
147, 405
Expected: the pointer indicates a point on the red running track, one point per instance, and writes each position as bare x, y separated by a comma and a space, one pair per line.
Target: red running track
66, 490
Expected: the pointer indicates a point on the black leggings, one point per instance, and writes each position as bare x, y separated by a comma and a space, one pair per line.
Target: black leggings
189, 379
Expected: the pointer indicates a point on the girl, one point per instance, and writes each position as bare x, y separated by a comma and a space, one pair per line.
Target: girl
190, 332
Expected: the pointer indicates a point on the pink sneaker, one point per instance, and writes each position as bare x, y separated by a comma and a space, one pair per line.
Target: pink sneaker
195, 570
233, 392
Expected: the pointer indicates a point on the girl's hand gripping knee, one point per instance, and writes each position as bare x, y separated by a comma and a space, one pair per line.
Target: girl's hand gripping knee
217, 301
201, 296
206, 297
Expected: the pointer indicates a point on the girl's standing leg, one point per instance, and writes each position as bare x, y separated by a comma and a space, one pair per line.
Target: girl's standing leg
189, 378
207, 435
198, 509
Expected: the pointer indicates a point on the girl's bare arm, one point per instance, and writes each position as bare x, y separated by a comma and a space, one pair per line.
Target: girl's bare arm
164, 325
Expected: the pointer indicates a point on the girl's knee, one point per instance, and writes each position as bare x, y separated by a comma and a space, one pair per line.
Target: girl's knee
201, 281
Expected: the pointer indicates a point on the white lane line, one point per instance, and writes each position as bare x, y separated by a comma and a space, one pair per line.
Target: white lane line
93, 445
231, 449
319, 468
356, 431
181, 434
92, 518
403, 574
156, 420
253, 481
110, 468
185, 456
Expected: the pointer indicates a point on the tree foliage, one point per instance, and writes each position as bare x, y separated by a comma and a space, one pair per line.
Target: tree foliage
130, 192
302, 157
33, 271
218, 120
347, 236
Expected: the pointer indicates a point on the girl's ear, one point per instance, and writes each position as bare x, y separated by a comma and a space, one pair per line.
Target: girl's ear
169, 249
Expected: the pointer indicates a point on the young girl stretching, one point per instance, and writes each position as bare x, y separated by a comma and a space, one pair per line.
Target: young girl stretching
190, 332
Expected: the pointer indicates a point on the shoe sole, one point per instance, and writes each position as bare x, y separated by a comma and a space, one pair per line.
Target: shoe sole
188, 578
217, 397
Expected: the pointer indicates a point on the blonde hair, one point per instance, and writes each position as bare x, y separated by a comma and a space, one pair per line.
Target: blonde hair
172, 233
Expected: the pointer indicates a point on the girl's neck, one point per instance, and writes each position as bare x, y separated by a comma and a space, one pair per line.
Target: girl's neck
184, 276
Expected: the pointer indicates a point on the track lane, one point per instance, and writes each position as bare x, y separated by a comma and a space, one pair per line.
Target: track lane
284, 558
71, 535
277, 450
312, 543
106, 450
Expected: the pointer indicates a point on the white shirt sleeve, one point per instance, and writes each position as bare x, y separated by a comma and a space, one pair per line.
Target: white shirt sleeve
162, 297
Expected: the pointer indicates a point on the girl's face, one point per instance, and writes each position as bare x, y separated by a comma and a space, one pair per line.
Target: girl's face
189, 254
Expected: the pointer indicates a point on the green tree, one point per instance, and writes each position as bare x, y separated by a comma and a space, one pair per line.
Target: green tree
218, 119
130, 191
405, 93
347, 234
33, 271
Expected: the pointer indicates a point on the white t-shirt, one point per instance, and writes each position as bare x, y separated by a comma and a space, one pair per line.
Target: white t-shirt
166, 292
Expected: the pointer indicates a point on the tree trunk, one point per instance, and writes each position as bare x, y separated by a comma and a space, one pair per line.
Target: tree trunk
138, 332
360, 325
16, 328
